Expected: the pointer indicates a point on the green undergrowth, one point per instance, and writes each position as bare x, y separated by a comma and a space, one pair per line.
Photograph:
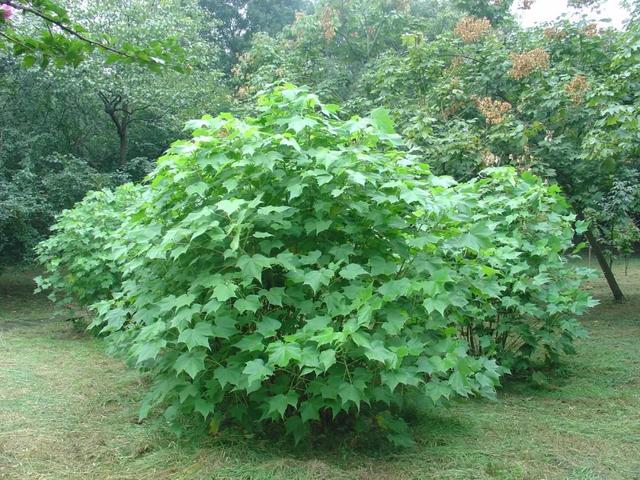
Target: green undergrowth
69, 411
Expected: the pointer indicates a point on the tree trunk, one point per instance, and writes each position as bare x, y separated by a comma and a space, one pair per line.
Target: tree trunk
124, 143
118, 110
606, 269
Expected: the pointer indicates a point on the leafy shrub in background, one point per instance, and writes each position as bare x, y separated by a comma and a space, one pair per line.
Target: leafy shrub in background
526, 312
294, 268
78, 255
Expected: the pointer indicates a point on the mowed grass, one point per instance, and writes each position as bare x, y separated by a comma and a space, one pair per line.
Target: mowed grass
68, 411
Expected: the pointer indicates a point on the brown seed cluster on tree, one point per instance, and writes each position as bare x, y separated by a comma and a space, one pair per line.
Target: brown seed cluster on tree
451, 110
494, 111
489, 159
576, 88
524, 64
591, 30
554, 33
471, 29
327, 23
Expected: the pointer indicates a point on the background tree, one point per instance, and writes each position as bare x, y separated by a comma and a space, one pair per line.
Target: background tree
549, 100
339, 42
129, 93
53, 121
240, 20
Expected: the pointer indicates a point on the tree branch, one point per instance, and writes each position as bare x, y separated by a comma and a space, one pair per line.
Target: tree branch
69, 30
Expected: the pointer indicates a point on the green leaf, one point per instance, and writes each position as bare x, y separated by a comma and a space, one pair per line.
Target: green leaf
352, 271
438, 303
310, 409
203, 407
224, 327
358, 177
382, 121
402, 376
316, 278
317, 225
190, 362
380, 266
197, 336
268, 327
327, 359
349, 393
230, 206
296, 427
395, 288
436, 390
253, 266
224, 291
191, 390
441, 276
149, 350
377, 351
432, 365
395, 321
295, 190
298, 123
257, 371
183, 300
282, 353
228, 376
251, 343
581, 226
459, 384
183, 317
249, 304
279, 403
274, 295
198, 188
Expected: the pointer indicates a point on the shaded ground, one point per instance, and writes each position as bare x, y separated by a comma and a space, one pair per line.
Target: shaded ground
68, 411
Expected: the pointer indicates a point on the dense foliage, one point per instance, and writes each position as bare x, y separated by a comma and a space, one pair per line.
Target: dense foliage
32, 197
240, 20
465, 83
294, 268
65, 131
473, 90
539, 295
88, 270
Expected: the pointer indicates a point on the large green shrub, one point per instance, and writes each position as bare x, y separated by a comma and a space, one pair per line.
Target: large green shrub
295, 268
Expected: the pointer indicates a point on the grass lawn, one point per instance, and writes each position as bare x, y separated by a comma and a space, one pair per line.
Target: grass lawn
68, 411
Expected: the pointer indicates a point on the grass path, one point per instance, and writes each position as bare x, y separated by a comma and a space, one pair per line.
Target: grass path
68, 411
